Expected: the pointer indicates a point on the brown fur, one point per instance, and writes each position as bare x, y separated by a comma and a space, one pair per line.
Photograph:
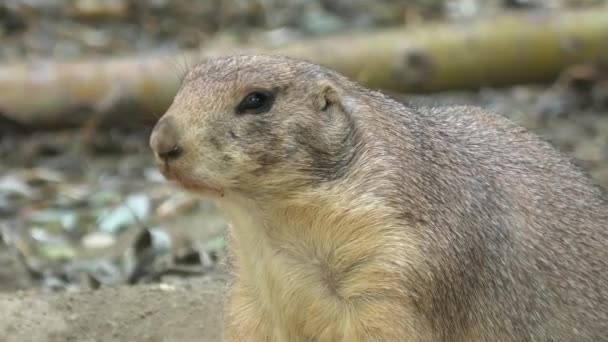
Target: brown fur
356, 218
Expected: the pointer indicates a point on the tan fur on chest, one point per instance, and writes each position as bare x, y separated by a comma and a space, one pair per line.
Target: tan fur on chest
320, 273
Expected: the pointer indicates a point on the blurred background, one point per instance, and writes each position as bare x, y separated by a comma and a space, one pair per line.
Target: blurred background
84, 210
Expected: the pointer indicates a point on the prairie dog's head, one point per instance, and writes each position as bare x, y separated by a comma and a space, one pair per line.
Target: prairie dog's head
258, 125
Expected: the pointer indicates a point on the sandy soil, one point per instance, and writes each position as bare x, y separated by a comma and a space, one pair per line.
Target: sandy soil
189, 311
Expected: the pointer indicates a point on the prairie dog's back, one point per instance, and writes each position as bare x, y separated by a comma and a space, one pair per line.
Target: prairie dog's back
517, 235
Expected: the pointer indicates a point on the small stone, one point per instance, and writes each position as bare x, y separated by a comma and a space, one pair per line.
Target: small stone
135, 209
166, 287
95, 38
13, 185
98, 240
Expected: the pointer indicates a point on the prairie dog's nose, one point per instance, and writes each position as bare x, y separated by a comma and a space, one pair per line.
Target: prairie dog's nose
164, 140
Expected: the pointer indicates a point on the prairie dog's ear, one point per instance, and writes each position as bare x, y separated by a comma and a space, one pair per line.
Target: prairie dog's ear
326, 96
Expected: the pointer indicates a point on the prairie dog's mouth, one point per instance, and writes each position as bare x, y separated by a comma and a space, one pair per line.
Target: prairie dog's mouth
194, 185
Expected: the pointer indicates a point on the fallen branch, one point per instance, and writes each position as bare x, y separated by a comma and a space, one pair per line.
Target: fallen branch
509, 49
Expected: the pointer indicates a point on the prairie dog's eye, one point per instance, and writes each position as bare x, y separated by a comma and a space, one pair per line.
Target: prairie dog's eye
256, 102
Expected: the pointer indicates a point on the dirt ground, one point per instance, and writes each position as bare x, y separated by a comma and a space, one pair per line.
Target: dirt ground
188, 311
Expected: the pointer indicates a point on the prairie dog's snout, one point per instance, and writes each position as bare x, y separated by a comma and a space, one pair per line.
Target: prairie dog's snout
164, 141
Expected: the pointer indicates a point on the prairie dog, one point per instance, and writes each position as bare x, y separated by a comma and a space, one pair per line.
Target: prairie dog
357, 218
